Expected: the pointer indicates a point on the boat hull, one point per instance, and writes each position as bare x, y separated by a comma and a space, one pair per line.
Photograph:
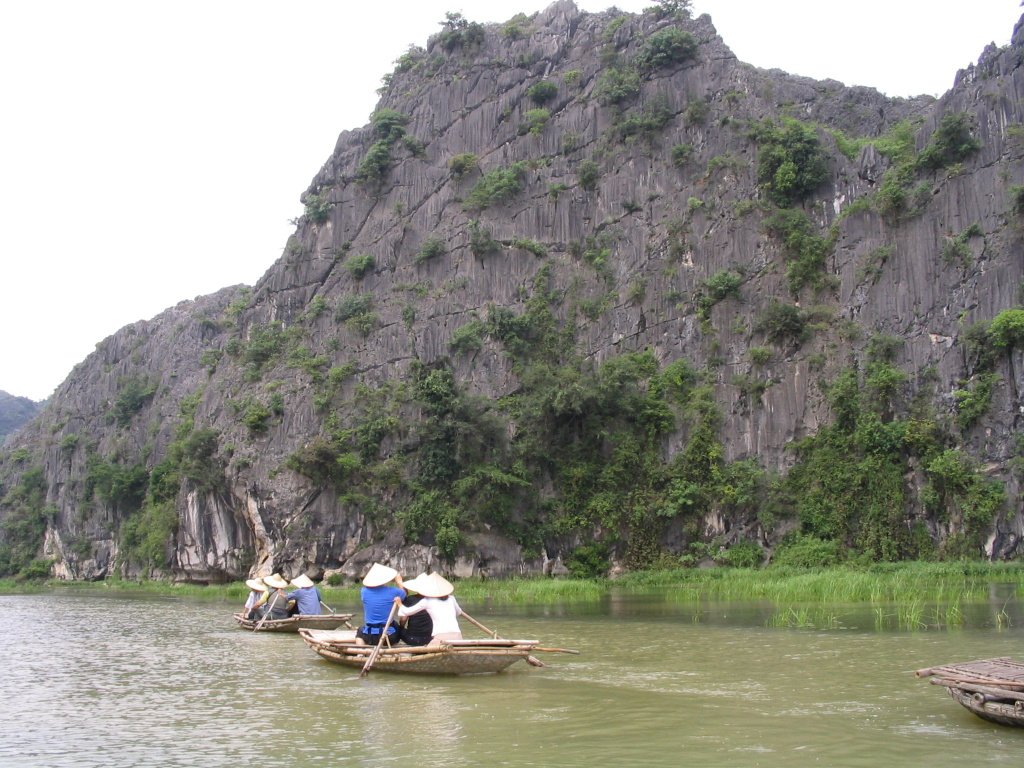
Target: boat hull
428, 660
993, 710
992, 689
295, 623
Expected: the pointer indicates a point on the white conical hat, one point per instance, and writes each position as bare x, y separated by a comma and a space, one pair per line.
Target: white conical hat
301, 581
413, 585
274, 580
379, 575
256, 585
434, 585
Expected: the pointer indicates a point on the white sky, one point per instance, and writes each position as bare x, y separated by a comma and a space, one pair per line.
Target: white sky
152, 152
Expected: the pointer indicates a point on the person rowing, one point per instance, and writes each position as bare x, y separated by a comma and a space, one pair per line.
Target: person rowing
274, 604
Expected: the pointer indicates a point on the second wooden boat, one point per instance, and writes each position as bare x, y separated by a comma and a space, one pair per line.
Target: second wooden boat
295, 623
993, 689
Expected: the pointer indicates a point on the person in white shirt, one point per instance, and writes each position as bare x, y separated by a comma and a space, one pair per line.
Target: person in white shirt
257, 589
439, 602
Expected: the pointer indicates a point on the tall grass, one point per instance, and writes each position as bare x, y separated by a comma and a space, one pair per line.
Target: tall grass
884, 583
803, 617
909, 614
904, 584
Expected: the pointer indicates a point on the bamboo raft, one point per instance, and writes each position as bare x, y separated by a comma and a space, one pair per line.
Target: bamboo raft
993, 689
322, 621
457, 657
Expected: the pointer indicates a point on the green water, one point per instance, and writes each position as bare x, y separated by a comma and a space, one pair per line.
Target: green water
149, 681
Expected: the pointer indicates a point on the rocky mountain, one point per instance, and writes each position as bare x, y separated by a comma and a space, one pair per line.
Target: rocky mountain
15, 411
586, 293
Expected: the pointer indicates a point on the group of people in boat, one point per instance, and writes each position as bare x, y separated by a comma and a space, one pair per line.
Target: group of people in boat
425, 610
268, 600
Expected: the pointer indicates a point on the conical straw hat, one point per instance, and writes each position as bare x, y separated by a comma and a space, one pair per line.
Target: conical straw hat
413, 585
301, 581
275, 581
379, 575
256, 585
434, 585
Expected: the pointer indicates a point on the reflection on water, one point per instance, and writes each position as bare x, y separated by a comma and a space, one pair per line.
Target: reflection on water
121, 681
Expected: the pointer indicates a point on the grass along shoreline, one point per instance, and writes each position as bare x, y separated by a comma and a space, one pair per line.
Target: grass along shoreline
883, 583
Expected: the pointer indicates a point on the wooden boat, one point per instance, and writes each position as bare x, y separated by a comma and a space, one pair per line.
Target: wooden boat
457, 657
993, 689
295, 623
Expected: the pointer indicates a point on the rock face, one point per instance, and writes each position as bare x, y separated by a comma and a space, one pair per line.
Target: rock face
522, 325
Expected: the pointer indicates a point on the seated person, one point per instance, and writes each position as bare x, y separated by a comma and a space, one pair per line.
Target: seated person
306, 596
257, 589
378, 600
418, 628
439, 602
274, 605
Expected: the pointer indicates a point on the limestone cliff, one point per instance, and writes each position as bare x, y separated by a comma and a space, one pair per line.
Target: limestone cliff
587, 289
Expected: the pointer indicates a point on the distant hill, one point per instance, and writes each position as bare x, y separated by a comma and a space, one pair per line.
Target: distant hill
15, 411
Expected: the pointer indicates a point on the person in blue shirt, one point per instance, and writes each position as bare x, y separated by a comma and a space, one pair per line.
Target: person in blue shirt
306, 596
378, 600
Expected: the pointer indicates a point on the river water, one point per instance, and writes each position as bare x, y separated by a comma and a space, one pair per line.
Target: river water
120, 681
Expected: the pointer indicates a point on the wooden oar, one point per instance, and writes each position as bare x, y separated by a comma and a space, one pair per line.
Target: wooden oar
383, 637
529, 659
266, 612
331, 611
271, 602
